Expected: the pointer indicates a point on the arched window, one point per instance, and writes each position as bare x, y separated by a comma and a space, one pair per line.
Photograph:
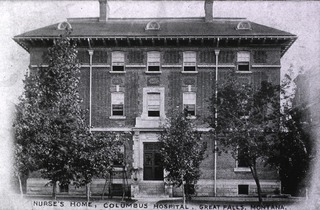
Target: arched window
152, 26
244, 25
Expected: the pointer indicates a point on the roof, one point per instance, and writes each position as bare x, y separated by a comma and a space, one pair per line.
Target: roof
223, 31
169, 27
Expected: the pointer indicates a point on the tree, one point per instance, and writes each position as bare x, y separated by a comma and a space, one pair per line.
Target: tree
295, 144
182, 151
50, 129
247, 121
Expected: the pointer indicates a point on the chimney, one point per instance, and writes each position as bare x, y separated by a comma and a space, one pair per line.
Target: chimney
208, 10
103, 6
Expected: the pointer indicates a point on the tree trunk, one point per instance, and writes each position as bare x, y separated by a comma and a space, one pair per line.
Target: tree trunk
20, 185
88, 191
254, 173
183, 192
54, 190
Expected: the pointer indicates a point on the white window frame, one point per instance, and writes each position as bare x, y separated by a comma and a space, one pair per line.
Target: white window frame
190, 60
117, 59
117, 98
153, 59
161, 91
190, 98
243, 58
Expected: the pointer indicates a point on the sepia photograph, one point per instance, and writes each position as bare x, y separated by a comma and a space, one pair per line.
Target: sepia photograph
159, 104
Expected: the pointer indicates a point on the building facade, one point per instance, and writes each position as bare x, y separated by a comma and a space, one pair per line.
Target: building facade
135, 72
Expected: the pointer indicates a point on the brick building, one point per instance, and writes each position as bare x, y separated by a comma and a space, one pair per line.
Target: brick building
135, 71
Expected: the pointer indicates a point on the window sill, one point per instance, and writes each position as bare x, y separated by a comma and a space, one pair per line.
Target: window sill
117, 72
189, 72
117, 117
171, 66
242, 169
153, 72
136, 66
244, 72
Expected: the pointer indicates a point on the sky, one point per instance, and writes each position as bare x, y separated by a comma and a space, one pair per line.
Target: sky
297, 17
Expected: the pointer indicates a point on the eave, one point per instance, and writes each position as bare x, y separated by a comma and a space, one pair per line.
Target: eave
188, 40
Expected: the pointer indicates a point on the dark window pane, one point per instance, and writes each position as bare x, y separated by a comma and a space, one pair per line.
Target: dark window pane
243, 189
189, 68
117, 109
64, 188
243, 67
158, 173
153, 68
190, 108
242, 159
117, 68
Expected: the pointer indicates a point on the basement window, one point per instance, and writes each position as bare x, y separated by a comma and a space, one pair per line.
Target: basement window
243, 189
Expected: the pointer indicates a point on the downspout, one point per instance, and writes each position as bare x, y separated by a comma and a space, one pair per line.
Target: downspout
217, 51
90, 86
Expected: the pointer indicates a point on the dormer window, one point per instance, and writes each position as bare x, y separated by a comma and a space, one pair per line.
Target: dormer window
243, 61
117, 58
244, 25
152, 26
189, 61
153, 61
64, 25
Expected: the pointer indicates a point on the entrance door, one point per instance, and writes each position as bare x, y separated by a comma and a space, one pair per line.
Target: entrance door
152, 169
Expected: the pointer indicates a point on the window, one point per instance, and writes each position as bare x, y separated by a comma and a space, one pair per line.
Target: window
153, 61
117, 61
152, 26
117, 104
153, 104
64, 188
243, 60
189, 103
152, 169
244, 25
189, 61
241, 160
243, 189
